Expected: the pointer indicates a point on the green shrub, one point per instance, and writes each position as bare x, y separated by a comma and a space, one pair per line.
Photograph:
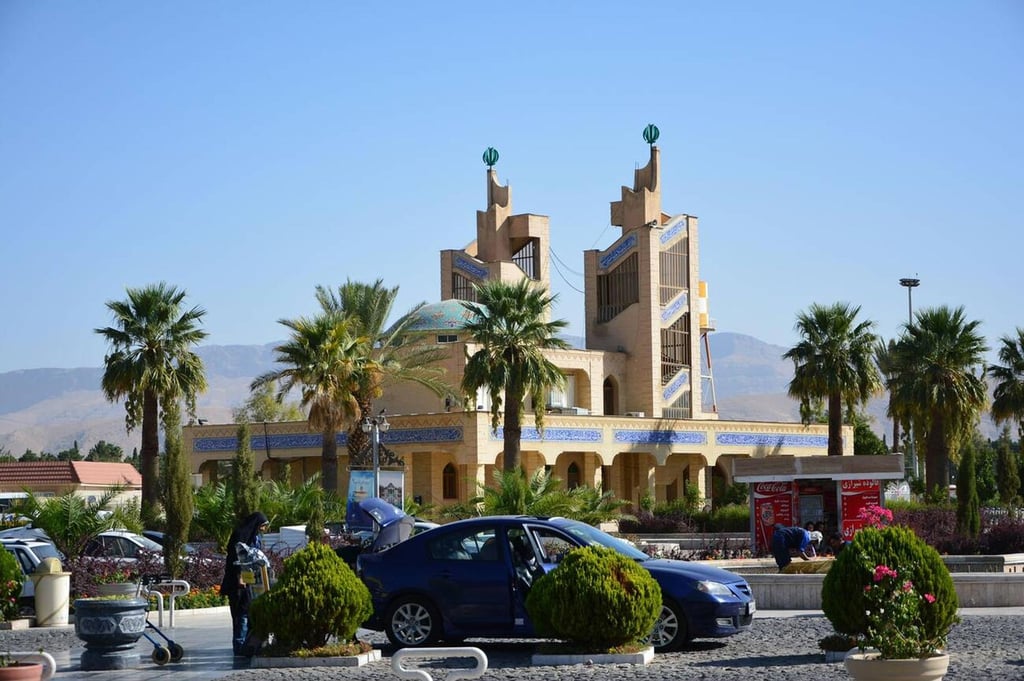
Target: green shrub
11, 579
597, 598
731, 518
316, 597
843, 590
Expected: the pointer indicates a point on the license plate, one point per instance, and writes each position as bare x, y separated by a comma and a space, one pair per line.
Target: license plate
751, 608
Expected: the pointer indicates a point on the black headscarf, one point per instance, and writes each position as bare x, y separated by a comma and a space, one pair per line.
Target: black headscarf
246, 532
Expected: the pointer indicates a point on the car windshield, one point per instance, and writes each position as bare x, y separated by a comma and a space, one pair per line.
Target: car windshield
46, 551
591, 535
146, 543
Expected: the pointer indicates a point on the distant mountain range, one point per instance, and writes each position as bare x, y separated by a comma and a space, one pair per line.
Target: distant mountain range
50, 409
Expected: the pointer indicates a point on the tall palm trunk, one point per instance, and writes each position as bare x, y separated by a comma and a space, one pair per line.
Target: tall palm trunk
150, 455
895, 429
513, 430
835, 424
329, 461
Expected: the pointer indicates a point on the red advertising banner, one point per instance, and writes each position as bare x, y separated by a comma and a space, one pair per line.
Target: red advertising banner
773, 504
854, 496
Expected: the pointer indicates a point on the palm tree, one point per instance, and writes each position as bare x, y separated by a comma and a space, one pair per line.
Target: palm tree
150, 363
940, 384
833, 362
325, 360
885, 360
1008, 396
395, 355
509, 325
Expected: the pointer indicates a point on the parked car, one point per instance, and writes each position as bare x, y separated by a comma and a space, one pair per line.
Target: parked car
120, 544
29, 552
471, 578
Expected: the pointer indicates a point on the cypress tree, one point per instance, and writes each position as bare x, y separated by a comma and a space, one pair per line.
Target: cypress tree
1007, 470
244, 484
178, 495
968, 513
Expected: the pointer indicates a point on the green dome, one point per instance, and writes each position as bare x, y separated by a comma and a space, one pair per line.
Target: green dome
447, 315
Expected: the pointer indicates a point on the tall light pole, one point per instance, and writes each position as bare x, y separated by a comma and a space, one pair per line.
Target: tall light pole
374, 427
910, 284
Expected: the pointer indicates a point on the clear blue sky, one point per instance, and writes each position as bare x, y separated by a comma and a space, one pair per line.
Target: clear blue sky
248, 151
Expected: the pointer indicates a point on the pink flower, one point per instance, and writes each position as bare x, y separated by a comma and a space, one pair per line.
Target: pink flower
908, 585
929, 598
883, 571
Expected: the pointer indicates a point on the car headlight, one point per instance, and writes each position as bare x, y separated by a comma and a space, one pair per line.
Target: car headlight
713, 588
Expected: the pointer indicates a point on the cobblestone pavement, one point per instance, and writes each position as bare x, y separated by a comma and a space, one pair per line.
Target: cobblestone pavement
785, 648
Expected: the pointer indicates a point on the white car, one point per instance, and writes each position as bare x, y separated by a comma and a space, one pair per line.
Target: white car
120, 544
29, 552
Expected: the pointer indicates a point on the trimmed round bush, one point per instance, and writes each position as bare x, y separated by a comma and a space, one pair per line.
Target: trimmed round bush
842, 592
597, 598
316, 597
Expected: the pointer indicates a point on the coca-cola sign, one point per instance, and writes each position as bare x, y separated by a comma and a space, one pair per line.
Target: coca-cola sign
773, 487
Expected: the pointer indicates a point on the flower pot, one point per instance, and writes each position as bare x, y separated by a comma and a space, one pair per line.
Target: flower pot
22, 671
871, 667
110, 628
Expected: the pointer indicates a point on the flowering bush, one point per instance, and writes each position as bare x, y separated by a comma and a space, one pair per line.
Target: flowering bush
891, 591
895, 626
11, 579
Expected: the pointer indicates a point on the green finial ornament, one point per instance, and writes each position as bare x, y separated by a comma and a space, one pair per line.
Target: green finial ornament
651, 133
490, 157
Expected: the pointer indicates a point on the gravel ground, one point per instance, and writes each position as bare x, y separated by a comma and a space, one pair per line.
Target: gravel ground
982, 647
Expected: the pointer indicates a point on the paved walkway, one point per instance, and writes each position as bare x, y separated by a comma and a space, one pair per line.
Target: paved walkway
205, 637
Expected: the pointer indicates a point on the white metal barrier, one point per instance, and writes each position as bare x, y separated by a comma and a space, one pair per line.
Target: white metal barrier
420, 675
177, 587
45, 659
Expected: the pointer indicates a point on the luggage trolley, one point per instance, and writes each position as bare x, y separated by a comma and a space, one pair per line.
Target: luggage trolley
162, 654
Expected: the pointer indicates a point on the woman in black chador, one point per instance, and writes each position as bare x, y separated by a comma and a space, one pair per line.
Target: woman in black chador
239, 594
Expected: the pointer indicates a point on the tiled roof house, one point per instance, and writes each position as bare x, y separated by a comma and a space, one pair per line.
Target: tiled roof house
85, 478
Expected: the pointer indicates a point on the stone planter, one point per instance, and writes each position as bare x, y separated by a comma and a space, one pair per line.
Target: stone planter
110, 628
871, 667
117, 589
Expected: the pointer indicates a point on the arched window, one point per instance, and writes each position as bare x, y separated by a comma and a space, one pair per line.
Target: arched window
449, 483
573, 476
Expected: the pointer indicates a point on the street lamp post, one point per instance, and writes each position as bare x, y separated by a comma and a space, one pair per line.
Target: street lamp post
910, 284
374, 427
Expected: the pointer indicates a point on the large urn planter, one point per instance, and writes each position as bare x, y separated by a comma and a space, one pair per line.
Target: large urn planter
869, 666
110, 628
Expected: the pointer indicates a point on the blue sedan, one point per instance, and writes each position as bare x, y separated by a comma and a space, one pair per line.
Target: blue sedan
469, 579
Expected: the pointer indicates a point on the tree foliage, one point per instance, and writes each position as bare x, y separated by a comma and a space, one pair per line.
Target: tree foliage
1007, 470
105, 451
245, 484
178, 506
262, 405
968, 512
1008, 395
323, 359
150, 361
395, 354
834, 362
510, 328
70, 520
939, 384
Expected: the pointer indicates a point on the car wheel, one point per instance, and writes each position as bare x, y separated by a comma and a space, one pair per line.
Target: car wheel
670, 630
413, 622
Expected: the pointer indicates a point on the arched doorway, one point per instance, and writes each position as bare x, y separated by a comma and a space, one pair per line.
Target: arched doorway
611, 397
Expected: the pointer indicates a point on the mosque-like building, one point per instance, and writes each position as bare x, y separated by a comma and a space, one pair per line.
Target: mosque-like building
637, 415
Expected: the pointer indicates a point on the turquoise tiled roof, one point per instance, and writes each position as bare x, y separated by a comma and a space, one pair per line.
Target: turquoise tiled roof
446, 315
